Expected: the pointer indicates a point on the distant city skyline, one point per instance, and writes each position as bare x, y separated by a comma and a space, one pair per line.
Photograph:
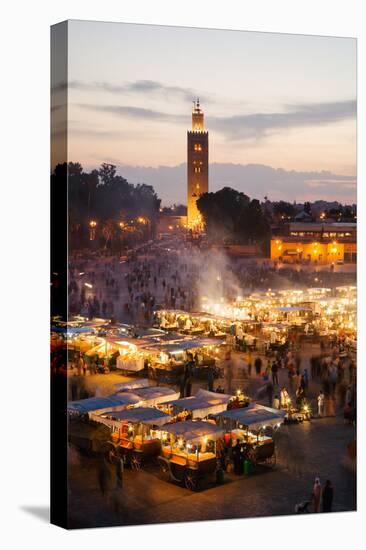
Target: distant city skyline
283, 101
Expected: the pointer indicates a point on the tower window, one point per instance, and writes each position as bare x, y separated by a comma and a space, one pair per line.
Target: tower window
197, 147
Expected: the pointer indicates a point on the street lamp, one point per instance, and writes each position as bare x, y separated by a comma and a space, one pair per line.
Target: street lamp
92, 226
122, 226
145, 221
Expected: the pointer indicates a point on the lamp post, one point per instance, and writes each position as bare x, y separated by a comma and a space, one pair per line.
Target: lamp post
144, 221
92, 226
122, 226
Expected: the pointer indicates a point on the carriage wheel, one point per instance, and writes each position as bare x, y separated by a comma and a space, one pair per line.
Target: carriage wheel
272, 460
191, 481
136, 462
164, 469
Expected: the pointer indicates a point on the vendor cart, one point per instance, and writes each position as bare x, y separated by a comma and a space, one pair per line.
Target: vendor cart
189, 452
135, 433
248, 432
257, 447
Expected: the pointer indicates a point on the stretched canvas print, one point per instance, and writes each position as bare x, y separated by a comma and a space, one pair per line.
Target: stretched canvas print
203, 277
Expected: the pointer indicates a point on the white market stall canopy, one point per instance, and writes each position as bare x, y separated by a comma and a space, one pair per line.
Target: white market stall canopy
142, 415
292, 309
154, 395
130, 364
254, 417
202, 404
102, 404
131, 385
194, 431
187, 344
147, 396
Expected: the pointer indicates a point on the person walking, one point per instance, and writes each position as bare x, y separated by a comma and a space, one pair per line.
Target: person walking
275, 373
327, 497
229, 375
182, 383
321, 404
291, 375
250, 369
333, 377
188, 378
284, 397
269, 390
276, 402
119, 472
258, 365
210, 378
103, 477
316, 495
348, 397
302, 385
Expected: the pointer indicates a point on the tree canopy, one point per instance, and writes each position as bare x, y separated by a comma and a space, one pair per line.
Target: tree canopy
109, 199
231, 216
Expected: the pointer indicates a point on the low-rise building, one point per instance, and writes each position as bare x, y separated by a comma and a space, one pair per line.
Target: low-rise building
323, 243
169, 224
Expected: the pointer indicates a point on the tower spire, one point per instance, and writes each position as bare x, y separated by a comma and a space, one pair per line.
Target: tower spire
197, 116
197, 165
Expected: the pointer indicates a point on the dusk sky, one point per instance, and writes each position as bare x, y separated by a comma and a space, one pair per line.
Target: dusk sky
284, 101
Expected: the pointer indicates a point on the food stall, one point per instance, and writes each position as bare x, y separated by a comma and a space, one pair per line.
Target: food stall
108, 403
248, 431
147, 396
167, 361
201, 405
130, 358
135, 432
131, 385
192, 324
151, 396
188, 453
275, 337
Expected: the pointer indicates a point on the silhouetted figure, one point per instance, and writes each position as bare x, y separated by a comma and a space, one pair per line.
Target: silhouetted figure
327, 496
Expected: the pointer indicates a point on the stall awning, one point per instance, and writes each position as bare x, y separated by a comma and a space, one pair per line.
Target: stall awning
254, 417
194, 430
143, 415
73, 330
290, 309
131, 385
108, 403
202, 404
185, 345
154, 395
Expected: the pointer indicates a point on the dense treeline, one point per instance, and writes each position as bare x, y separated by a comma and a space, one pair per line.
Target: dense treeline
231, 216
107, 212
125, 214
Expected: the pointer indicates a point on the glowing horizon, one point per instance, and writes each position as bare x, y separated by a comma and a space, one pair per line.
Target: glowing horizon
285, 101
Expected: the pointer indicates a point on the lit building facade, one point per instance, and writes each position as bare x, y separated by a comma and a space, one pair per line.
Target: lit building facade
322, 243
171, 225
197, 166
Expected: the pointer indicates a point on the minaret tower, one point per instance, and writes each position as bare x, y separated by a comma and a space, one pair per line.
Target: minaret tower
197, 165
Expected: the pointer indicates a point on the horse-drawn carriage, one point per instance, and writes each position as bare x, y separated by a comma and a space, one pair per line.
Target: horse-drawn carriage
188, 454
